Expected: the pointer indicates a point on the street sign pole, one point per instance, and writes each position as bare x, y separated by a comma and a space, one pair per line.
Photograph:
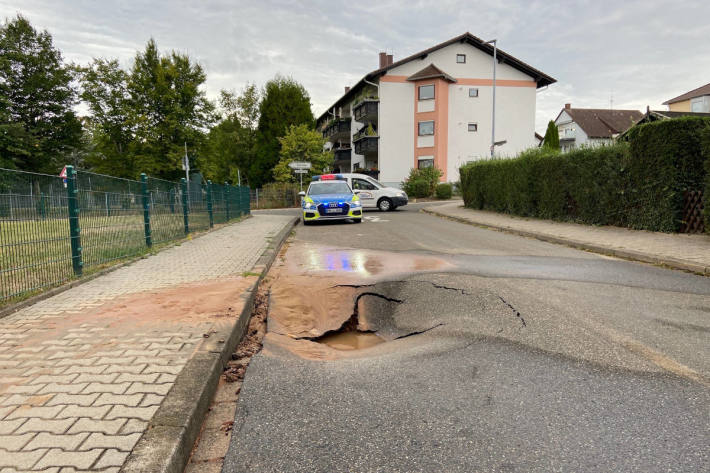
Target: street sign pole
300, 168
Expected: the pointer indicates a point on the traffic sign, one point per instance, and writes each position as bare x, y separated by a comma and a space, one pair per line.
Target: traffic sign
299, 165
63, 174
301, 171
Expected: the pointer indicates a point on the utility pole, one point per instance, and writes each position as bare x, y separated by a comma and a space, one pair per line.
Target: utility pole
493, 124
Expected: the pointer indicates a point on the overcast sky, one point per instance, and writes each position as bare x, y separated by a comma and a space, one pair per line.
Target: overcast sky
637, 52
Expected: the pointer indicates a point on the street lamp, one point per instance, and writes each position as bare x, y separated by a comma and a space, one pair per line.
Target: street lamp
494, 42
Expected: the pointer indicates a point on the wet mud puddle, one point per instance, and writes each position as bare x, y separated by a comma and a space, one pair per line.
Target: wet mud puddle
351, 340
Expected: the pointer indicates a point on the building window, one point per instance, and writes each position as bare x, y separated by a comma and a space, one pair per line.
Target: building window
425, 163
473, 92
426, 92
461, 58
426, 128
473, 127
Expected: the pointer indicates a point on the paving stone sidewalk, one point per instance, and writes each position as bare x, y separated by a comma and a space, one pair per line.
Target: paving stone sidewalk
79, 382
680, 251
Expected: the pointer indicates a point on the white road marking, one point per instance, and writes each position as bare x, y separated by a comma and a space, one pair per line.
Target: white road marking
375, 219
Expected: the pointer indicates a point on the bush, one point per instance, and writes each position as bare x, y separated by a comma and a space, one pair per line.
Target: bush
705, 144
444, 191
429, 175
419, 188
638, 185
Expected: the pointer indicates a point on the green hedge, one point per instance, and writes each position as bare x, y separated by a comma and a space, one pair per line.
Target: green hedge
444, 190
639, 184
705, 143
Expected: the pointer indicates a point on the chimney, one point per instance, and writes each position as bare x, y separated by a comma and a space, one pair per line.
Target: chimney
390, 59
347, 89
568, 106
383, 60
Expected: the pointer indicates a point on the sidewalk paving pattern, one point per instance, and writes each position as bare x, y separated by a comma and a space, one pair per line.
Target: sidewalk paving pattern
681, 251
83, 372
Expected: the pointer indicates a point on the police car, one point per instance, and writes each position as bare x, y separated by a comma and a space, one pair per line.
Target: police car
329, 197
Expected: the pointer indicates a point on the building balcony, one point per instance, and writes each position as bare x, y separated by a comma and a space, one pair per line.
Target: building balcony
366, 111
365, 144
338, 130
342, 153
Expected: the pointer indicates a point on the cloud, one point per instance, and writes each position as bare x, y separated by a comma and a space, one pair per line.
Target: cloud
640, 52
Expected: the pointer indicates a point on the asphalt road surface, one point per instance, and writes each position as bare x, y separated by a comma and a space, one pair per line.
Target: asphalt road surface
501, 354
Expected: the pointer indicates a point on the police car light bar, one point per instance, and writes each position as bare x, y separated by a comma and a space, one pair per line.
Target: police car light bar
327, 177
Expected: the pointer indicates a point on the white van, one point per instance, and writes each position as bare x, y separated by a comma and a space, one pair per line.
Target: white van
373, 194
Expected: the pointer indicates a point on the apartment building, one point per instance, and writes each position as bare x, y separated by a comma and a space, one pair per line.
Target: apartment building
434, 108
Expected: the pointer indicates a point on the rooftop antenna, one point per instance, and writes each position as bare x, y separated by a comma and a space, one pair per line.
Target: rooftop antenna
611, 100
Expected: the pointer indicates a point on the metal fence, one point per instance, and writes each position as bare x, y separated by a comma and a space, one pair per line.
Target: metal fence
275, 198
53, 229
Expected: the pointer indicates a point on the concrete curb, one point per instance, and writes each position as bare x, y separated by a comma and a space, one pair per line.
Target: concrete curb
625, 254
53, 291
166, 445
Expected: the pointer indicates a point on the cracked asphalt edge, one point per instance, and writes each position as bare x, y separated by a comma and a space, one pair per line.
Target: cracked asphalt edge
168, 440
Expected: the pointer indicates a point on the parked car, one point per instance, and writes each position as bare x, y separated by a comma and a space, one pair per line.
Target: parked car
329, 197
372, 193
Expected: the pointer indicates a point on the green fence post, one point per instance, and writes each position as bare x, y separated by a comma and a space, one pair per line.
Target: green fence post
247, 193
226, 199
239, 195
146, 210
209, 203
74, 229
183, 185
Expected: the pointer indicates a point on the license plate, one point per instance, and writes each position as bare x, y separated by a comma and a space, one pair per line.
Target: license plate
332, 211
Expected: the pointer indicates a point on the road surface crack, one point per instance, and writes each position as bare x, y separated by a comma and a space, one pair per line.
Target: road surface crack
437, 286
515, 311
419, 332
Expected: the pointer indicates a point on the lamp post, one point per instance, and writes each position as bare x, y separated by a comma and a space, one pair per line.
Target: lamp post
494, 42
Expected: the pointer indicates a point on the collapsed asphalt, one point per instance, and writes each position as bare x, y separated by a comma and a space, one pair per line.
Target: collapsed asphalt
524, 356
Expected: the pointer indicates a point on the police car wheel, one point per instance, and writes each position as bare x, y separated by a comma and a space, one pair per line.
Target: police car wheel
384, 204
306, 222
357, 220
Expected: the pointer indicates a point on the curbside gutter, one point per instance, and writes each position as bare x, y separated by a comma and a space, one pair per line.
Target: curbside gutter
632, 255
166, 444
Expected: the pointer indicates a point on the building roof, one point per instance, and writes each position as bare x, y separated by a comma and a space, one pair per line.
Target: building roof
540, 77
430, 72
656, 115
700, 91
602, 123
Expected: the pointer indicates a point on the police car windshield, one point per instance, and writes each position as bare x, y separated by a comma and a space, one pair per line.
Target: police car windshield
333, 187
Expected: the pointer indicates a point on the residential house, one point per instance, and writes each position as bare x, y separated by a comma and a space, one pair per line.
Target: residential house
434, 108
697, 100
658, 115
592, 127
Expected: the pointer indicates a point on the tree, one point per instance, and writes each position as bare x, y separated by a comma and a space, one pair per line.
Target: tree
170, 109
112, 124
552, 137
230, 144
38, 127
302, 143
285, 102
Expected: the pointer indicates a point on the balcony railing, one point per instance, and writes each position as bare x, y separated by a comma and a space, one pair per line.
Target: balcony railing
343, 153
366, 110
338, 129
366, 145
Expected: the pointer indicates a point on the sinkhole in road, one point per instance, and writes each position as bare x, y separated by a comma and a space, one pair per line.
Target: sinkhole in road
352, 335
